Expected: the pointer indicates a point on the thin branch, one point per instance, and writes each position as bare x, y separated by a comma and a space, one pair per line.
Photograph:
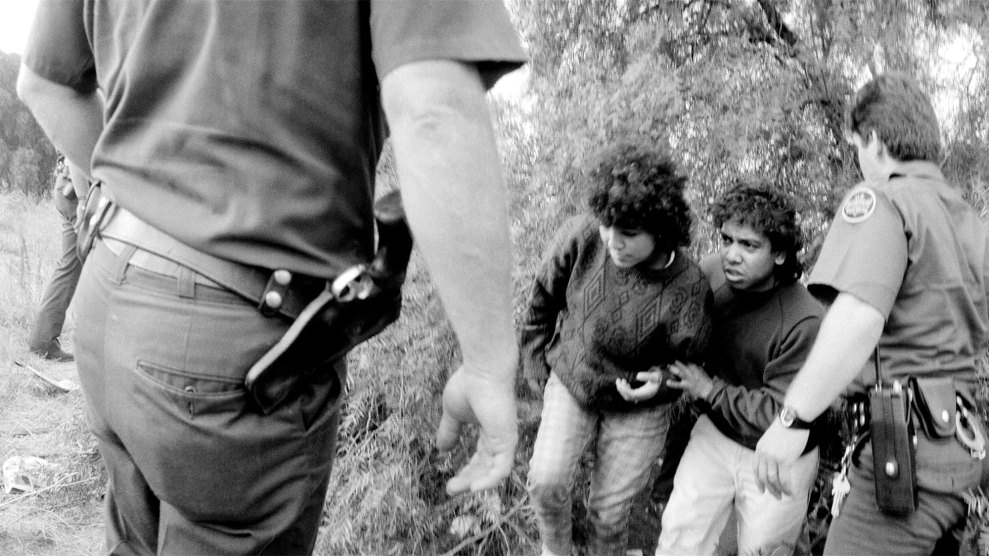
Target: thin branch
487, 531
55, 486
776, 23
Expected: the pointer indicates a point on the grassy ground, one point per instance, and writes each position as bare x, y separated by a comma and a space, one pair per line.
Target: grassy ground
64, 516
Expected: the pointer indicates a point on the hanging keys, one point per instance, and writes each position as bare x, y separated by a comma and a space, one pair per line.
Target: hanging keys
840, 487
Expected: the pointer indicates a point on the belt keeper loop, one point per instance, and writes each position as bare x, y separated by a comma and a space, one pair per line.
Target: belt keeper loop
186, 283
275, 292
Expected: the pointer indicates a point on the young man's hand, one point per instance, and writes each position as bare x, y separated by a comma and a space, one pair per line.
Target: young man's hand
691, 379
471, 397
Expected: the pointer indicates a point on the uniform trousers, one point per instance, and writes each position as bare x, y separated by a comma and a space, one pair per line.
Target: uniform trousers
945, 471
717, 474
62, 285
628, 443
194, 467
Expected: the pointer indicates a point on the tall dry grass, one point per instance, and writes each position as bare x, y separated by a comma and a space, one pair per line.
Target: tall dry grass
63, 517
29, 243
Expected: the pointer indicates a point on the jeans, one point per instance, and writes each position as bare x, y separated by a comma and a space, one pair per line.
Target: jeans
194, 467
717, 473
62, 285
627, 445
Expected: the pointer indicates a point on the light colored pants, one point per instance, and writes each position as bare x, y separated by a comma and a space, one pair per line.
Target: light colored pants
627, 445
717, 472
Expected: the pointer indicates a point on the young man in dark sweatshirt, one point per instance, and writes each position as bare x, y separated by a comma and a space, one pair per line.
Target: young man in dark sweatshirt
764, 323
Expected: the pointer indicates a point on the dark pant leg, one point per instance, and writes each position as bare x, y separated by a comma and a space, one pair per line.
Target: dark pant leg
167, 390
861, 528
62, 285
684, 419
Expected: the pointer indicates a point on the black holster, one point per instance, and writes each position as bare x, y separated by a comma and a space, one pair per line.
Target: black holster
339, 318
893, 451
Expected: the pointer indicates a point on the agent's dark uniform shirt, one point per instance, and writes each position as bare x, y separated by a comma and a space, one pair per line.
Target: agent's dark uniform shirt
257, 140
249, 130
915, 250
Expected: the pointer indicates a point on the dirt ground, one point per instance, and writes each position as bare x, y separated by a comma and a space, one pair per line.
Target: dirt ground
63, 514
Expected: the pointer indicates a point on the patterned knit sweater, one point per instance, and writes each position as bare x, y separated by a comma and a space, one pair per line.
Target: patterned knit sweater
592, 322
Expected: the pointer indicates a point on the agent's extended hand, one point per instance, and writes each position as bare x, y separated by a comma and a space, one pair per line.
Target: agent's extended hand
653, 379
691, 379
471, 397
776, 452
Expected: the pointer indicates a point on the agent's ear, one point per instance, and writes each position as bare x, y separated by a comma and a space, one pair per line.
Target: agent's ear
879, 148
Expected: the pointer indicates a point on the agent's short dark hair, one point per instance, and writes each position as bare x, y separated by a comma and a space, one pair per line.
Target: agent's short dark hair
901, 114
635, 186
770, 213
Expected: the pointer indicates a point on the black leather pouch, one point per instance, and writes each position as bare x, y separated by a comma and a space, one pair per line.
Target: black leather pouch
936, 405
893, 455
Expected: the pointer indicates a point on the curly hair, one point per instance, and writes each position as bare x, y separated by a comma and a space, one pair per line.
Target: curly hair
634, 186
770, 213
901, 114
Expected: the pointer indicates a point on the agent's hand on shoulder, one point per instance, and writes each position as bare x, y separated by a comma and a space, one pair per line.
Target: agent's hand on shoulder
475, 397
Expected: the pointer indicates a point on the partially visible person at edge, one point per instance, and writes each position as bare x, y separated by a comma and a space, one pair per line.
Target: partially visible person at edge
764, 324
249, 132
615, 295
70, 185
905, 264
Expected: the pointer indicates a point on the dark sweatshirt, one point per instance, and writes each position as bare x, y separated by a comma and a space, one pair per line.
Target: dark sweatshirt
592, 322
758, 343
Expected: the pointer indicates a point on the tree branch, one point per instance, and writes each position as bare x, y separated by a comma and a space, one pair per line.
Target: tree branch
776, 23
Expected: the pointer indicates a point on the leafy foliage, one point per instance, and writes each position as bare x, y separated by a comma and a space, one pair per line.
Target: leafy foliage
733, 89
27, 157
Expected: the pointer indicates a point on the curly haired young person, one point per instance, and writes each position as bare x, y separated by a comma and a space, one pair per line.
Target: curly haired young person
615, 296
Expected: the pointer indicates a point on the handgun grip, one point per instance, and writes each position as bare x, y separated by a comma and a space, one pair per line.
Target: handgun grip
394, 241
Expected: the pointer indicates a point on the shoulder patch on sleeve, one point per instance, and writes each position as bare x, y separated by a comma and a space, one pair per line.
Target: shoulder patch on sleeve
859, 206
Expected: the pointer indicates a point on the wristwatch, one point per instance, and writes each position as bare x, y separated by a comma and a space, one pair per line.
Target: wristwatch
789, 419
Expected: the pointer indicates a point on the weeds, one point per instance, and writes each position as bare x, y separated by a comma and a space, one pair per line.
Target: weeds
62, 517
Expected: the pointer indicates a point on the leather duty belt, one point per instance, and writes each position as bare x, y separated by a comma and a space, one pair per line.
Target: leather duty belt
273, 290
329, 317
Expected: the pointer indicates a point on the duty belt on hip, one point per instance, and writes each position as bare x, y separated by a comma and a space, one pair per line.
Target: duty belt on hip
330, 317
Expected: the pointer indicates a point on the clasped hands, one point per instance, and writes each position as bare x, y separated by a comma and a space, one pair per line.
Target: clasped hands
778, 449
688, 377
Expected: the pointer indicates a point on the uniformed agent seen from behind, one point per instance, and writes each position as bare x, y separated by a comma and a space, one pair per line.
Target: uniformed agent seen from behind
243, 137
906, 262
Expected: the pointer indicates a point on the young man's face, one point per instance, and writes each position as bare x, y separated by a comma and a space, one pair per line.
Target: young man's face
747, 258
627, 248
